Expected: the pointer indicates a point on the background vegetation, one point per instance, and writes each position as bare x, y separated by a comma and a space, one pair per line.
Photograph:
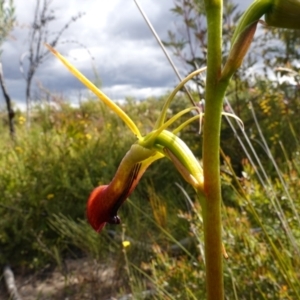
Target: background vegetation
48, 171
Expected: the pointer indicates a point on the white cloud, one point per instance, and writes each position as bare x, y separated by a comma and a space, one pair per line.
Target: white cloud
127, 57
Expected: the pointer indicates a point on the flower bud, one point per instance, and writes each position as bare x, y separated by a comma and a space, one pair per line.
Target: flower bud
239, 50
284, 14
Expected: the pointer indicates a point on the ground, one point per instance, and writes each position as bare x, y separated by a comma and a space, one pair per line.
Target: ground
79, 279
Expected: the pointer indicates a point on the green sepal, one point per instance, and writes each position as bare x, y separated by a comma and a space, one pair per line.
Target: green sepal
253, 13
238, 50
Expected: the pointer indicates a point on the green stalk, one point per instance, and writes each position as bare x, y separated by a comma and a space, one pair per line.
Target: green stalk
211, 165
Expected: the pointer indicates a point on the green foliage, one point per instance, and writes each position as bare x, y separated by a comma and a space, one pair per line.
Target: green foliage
52, 169
49, 171
7, 19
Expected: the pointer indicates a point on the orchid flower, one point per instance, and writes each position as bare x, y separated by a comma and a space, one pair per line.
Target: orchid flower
105, 200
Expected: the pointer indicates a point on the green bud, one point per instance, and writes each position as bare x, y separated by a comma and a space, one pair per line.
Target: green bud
252, 14
284, 14
278, 13
239, 50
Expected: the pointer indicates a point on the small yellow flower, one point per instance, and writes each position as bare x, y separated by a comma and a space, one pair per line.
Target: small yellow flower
103, 163
50, 196
283, 290
19, 149
126, 244
21, 120
88, 136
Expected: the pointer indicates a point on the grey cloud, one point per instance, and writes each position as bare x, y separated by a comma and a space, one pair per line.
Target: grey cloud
127, 57
136, 28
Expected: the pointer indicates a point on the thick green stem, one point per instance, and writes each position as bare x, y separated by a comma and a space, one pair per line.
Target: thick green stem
212, 203
211, 166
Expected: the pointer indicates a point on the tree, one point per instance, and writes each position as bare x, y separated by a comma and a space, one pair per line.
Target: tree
38, 35
7, 18
189, 41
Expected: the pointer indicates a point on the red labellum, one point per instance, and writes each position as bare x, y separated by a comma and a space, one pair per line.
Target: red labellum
101, 209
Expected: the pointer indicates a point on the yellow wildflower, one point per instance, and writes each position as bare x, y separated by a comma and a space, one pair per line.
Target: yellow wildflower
21, 120
19, 149
50, 196
126, 244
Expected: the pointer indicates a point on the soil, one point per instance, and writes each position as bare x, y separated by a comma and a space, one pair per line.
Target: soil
79, 279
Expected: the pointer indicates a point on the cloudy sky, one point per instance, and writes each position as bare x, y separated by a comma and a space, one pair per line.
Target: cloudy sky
126, 55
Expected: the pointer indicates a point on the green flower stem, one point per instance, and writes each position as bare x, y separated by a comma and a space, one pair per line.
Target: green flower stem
211, 165
278, 13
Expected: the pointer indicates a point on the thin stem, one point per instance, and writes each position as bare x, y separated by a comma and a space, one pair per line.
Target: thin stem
163, 113
164, 50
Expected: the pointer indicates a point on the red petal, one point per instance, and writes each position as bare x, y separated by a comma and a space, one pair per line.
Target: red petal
97, 211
